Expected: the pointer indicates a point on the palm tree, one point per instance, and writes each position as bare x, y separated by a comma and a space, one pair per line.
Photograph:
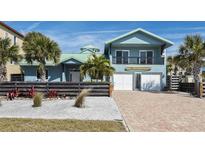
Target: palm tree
171, 65
174, 64
8, 53
191, 54
39, 48
96, 67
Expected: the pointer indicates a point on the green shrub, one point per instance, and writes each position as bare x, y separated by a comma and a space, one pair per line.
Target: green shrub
37, 100
79, 102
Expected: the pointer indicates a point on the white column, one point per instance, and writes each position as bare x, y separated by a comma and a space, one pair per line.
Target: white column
63, 73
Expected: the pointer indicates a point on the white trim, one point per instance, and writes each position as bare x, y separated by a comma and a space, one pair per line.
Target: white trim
140, 51
168, 43
124, 73
122, 54
154, 73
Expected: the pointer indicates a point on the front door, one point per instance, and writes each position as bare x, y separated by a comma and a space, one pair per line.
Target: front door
137, 81
74, 76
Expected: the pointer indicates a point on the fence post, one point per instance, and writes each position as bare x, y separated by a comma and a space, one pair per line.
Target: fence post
79, 88
47, 87
201, 89
15, 85
110, 89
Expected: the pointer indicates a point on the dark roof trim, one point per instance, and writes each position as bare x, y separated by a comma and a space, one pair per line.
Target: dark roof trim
11, 29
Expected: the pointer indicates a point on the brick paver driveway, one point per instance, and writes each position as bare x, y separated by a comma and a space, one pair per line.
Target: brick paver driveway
147, 111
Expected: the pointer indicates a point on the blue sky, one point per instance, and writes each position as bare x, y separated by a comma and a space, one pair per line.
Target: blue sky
71, 36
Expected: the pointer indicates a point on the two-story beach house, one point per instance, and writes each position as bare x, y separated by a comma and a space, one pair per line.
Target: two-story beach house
139, 58
13, 70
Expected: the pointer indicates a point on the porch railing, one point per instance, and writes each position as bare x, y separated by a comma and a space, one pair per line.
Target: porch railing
136, 60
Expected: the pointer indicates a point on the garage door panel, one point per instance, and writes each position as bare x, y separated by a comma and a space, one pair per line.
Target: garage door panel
123, 81
151, 82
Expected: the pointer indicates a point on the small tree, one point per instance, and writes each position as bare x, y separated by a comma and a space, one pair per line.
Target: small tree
8, 53
97, 67
40, 48
191, 54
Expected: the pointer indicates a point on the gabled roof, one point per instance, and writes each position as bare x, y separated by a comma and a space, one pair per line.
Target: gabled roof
80, 57
11, 29
89, 48
168, 43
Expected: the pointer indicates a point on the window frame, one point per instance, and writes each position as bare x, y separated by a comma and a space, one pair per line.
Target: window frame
140, 51
15, 40
117, 50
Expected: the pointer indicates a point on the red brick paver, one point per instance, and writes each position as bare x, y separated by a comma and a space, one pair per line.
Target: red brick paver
148, 111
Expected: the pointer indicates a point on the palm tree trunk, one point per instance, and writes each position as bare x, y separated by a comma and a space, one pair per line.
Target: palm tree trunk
43, 75
196, 72
3, 72
42, 72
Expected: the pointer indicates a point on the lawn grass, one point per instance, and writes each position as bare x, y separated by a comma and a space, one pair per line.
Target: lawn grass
44, 125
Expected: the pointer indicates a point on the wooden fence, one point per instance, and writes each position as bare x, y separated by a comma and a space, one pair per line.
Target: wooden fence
173, 82
202, 89
186, 87
62, 88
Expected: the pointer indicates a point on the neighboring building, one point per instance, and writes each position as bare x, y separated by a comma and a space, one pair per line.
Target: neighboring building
13, 70
139, 58
68, 69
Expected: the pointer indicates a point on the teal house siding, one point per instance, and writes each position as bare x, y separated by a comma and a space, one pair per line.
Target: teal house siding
68, 69
135, 52
54, 73
153, 69
134, 42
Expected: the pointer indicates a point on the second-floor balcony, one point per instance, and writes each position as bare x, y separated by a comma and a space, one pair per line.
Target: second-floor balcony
138, 60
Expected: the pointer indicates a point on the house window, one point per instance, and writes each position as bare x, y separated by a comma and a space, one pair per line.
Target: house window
38, 74
146, 57
17, 77
121, 57
15, 40
6, 35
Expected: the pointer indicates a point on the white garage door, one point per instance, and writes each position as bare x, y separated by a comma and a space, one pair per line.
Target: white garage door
151, 82
123, 81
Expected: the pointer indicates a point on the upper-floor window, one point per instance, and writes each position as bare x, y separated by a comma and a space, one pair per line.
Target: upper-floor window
146, 57
15, 40
6, 35
122, 56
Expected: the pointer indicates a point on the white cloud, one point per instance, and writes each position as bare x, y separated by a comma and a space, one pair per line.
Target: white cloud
103, 31
31, 27
186, 28
181, 35
73, 43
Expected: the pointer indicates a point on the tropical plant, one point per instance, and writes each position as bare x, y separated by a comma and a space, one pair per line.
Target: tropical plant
191, 56
40, 48
37, 100
170, 65
173, 65
81, 98
96, 67
8, 53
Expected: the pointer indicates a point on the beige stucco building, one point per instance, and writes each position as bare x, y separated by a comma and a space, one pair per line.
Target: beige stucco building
13, 70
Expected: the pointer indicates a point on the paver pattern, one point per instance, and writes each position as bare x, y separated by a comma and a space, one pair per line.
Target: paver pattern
162, 111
